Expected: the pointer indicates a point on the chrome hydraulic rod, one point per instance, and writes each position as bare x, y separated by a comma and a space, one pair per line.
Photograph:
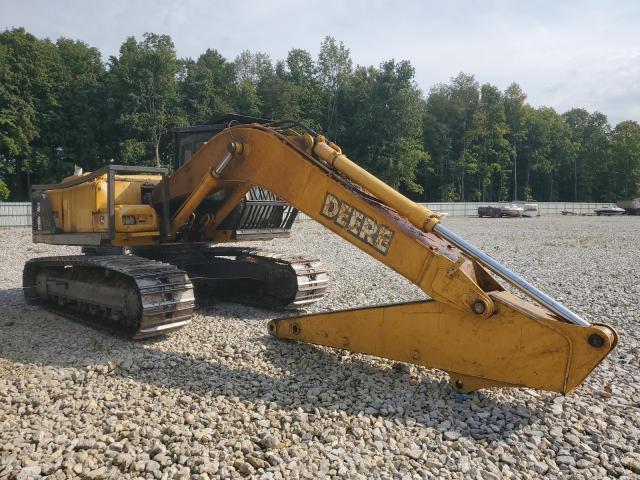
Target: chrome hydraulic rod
428, 221
511, 277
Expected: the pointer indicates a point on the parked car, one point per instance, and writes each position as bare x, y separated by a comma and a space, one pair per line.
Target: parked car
609, 210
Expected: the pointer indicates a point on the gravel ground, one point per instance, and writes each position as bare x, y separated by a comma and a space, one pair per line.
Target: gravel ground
222, 399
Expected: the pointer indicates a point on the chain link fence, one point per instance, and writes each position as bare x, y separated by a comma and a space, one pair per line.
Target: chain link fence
470, 209
18, 214
15, 214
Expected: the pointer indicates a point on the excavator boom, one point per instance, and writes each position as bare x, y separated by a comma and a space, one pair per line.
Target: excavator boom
472, 328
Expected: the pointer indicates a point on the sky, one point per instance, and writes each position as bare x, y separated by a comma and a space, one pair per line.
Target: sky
563, 54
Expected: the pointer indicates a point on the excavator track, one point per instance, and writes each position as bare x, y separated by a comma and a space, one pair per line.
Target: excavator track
311, 277
247, 275
139, 297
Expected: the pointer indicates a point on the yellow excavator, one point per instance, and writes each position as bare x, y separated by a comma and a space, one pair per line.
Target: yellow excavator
149, 238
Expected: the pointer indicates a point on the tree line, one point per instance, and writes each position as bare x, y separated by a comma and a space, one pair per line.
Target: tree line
61, 104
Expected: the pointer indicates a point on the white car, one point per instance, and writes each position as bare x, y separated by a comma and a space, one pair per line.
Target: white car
609, 210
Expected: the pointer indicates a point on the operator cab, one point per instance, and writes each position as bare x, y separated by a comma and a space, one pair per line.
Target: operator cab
188, 140
261, 215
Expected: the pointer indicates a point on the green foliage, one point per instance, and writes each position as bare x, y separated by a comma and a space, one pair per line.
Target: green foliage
4, 190
247, 100
491, 151
625, 158
383, 115
398, 162
208, 87
590, 135
72, 133
450, 113
60, 105
143, 82
30, 83
334, 72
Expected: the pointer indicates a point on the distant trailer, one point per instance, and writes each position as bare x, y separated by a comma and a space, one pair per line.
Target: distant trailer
631, 207
609, 211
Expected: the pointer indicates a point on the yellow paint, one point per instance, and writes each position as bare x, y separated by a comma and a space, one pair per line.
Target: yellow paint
234, 197
511, 343
421, 217
136, 239
83, 208
145, 218
509, 348
281, 166
200, 191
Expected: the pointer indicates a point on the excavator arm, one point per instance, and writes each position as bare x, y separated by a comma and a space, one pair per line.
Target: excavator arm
482, 335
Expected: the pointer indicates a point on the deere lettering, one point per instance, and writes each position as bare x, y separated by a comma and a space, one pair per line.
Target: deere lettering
357, 223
